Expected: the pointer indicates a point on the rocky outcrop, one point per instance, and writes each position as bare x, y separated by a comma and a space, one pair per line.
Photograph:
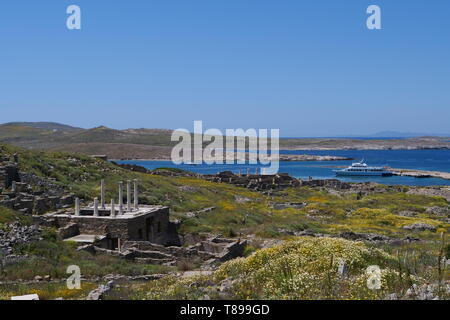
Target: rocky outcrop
432, 191
286, 205
100, 292
327, 183
439, 211
232, 250
194, 214
428, 291
420, 227
363, 236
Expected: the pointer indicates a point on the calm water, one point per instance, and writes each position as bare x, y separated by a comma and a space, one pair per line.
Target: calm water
432, 160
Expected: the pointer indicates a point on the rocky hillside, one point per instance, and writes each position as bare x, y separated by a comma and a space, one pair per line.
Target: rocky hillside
130, 143
53, 126
406, 223
156, 143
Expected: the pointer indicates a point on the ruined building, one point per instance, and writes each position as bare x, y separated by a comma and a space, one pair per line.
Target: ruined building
108, 225
26, 192
9, 172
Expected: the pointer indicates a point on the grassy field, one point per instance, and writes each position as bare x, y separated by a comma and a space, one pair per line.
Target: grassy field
302, 269
240, 212
325, 211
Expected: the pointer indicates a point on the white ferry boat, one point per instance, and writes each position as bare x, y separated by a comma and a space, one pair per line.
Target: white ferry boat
362, 169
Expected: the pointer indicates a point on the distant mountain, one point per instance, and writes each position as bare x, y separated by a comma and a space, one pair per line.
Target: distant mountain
156, 143
51, 126
102, 134
129, 143
12, 132
397, 134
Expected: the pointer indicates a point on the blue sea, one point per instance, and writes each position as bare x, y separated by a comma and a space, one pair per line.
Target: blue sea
430, 160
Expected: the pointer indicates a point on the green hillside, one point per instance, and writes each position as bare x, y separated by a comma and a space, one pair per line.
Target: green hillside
156, 143
238, 212
9, 132
44, 125
325, 210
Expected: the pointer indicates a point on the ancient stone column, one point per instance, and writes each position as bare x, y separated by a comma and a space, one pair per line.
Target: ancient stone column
95, 207
120, 198
77, 206
113, 210
129, 196
13, 187
136, 195
102, 193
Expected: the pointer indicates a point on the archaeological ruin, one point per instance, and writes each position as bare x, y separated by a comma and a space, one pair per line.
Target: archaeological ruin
28, 193
110, 224
142, 233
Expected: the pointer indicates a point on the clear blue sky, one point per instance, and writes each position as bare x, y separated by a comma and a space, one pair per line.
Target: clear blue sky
310, 68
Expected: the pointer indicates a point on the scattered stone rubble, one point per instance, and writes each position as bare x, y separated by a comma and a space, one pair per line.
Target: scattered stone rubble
377, 238
354, 236
286, 205
420, 227
100, 292
207, 251
14, 234
254, 181
194, 214
262, 182
439, 211
26, 192
432, 191
424, 292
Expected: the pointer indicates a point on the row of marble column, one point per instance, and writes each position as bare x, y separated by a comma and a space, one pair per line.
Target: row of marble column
122, 209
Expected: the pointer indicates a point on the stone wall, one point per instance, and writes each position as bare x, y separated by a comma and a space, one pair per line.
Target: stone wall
8, 173
273, 182
31, 203
30, 194
153, 227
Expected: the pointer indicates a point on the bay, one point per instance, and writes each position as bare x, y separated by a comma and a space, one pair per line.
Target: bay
429, 160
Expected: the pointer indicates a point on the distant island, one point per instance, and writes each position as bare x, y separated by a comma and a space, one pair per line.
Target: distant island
156, 143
